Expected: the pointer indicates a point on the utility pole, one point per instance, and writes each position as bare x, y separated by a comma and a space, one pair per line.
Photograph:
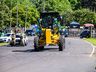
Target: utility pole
17, 14
26, 16
3, 15
10, 14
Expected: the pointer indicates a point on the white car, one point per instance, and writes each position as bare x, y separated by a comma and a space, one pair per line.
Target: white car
6, 38
24, 38
19, 40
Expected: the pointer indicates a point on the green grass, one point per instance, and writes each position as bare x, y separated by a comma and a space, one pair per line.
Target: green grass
2, 44
91, 40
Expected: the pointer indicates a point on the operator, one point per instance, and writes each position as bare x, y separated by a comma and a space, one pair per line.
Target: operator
50, 22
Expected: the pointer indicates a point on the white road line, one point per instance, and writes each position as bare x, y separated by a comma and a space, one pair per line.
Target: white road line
93, 48
92, 51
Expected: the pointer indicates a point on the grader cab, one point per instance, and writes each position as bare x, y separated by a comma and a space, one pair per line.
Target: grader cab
48, 34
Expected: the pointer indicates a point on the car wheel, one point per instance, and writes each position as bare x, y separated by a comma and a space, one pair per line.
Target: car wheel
88, 36
26, 43
81, 36
12, 43
8, 40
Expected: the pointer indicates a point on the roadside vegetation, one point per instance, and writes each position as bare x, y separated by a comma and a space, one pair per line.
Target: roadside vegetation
3, 44
27, 11
91, 40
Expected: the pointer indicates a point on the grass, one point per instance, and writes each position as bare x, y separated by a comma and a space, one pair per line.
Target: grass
91, 40
2, 44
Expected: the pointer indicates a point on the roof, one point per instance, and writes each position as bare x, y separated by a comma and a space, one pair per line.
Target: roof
75, 23
89, 25
44, 14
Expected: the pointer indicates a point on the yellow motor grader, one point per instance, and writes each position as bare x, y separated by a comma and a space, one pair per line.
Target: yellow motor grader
48, 34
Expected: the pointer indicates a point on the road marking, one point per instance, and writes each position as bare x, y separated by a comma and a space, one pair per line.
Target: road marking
92, 51
93, 48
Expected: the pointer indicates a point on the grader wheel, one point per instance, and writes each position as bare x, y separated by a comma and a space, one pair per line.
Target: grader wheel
36, 45
61, 44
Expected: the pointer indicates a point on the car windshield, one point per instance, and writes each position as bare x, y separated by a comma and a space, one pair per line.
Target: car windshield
29, 30
17, 36
7, 35
49, 22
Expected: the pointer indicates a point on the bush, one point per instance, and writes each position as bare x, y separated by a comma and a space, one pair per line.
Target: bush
82, 16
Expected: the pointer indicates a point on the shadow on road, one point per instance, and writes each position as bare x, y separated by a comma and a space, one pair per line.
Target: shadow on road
32, 50
14, 46
29, 50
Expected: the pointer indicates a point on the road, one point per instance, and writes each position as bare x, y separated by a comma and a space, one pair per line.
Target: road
74, 58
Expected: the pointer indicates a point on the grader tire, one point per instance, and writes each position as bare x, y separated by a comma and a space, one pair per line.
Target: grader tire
36, 45
12, 43
41, 48
61, 44
22, 43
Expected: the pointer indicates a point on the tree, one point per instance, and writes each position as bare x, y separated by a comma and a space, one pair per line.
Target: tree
4, 14
32, 14
73, 3
82, 16
85, 16
52, 5
8, 13
91, 4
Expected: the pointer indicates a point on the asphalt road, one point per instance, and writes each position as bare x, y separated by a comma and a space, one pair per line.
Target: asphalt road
74, 58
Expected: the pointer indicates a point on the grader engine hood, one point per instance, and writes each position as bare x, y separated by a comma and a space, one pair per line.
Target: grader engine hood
50, 37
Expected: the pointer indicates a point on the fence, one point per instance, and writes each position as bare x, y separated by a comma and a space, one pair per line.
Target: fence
93, 33
74, 32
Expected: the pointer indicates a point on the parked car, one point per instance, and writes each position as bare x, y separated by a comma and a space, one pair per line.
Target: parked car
21, 40
5, 37
0, 34
85, 34
30, 32
64, 32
